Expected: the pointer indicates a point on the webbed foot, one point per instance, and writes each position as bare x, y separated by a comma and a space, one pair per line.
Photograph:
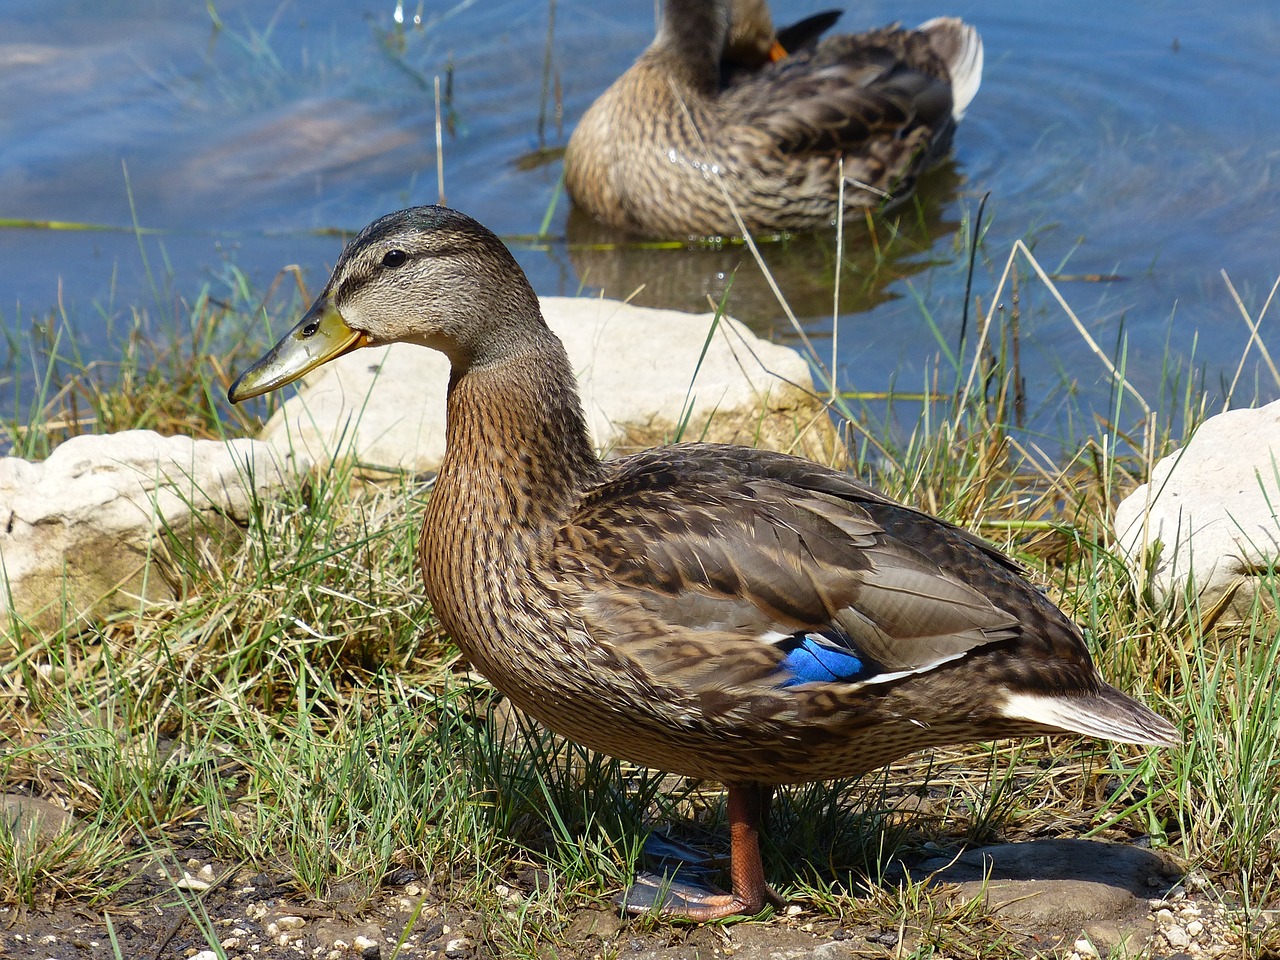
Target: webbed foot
674, 899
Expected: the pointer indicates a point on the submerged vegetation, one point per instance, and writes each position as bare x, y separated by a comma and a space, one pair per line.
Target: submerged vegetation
298, 710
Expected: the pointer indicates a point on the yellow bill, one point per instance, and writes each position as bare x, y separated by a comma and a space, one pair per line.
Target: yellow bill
320, 336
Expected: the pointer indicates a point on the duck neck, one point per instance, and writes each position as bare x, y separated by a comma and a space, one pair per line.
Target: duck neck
691, 40
518, 454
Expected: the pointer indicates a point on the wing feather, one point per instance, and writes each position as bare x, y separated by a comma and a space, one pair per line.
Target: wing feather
808, 565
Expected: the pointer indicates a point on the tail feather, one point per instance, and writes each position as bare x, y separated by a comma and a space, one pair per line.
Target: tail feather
1107, 714
960, 47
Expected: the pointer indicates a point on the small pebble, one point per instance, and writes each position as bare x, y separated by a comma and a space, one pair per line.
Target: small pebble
794, 910
1165, 916
1177, 937
1195, 928
290, 922
188, 882
206, 955
1085, 948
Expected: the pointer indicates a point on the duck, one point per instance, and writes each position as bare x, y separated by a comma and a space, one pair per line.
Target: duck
716, 130
715, 611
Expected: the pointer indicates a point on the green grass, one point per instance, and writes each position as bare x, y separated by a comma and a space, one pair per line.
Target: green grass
299, 711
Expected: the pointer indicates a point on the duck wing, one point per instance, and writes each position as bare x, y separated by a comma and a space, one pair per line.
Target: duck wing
848, 95
805, 33
737, 567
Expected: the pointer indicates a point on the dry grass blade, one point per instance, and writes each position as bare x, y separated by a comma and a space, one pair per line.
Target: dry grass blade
1254, 338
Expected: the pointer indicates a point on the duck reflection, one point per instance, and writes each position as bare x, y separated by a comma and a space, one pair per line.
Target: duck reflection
878, 253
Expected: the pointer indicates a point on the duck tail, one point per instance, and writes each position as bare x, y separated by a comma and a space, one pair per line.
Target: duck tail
1107, 714
960, 48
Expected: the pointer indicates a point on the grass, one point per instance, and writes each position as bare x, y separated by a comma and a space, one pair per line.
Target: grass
298, 710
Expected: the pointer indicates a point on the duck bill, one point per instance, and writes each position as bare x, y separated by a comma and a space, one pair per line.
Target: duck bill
320, 336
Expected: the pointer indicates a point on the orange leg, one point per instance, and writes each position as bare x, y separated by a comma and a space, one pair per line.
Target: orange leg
680, 901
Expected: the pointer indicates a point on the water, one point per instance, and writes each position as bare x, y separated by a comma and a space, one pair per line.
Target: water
1136, 140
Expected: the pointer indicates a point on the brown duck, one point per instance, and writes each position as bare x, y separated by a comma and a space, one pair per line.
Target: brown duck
714, 611
711, 119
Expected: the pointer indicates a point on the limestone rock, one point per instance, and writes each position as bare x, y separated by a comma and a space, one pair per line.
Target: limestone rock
33, 822
1210, 510
92, 529
1058, 885
636, 371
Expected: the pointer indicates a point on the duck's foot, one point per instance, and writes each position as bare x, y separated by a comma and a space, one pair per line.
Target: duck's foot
673, 899
664, 852
690, 897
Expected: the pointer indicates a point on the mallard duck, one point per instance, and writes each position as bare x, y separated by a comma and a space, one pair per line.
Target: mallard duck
660, 150
714, 611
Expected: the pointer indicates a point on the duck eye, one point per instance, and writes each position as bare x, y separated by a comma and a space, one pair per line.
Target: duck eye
394, 258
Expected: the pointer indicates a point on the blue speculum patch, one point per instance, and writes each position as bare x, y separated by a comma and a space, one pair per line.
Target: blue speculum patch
816, 658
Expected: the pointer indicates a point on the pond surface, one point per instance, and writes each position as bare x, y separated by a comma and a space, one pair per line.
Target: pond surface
1133, 146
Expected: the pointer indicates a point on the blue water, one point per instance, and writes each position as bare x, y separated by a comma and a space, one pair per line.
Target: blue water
1135, 140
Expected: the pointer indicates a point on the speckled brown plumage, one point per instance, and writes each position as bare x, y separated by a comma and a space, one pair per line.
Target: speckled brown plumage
714, 611
701, 113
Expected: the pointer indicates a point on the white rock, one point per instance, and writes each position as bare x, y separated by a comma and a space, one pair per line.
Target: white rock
1085, 948
636, 372
1177, 937
93, 526
1211, 507
188, 882
206, 955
